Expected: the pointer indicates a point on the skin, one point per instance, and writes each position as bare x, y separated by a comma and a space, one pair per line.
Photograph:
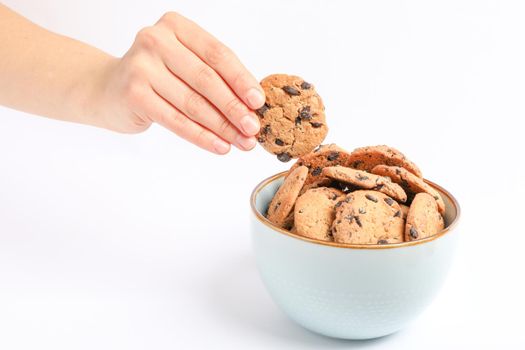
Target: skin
175, 74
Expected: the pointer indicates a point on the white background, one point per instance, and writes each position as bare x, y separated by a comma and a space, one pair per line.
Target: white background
112, 241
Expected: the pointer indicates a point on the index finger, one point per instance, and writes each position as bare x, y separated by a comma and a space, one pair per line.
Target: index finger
218, 56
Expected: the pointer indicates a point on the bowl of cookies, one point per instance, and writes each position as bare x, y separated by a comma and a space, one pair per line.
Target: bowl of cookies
351, 245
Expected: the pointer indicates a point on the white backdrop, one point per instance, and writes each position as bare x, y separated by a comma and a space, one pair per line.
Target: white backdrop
112, 241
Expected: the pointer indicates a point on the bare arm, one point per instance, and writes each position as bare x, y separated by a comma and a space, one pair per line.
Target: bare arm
47, 74
175, 74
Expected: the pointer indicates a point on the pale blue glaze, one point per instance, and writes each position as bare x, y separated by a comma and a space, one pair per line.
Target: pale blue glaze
349, 293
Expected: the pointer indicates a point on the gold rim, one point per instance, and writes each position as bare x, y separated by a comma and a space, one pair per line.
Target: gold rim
265, 221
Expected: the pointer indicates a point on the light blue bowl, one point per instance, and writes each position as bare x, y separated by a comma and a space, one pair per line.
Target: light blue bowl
349, 291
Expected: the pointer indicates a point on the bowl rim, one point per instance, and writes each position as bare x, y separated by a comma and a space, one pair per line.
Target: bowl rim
266, 222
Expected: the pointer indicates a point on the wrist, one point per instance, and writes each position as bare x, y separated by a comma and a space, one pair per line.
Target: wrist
93, 92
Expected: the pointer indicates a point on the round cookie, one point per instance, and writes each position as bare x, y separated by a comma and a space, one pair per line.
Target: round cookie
424, 219
366, 158
292, 119
368, 217
409, 182
366, 180
315, 211
325, 155
284, 199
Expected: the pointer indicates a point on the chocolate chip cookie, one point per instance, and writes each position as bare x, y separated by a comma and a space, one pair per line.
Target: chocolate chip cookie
410, 182
424, 219
366, 158
315, 211
283, 201
325, 155
365, 180
292, 119
368, 217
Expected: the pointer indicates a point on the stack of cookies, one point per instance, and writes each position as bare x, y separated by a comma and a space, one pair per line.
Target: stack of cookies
373, 195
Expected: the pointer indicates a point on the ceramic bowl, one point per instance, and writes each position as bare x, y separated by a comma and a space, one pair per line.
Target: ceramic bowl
350, 291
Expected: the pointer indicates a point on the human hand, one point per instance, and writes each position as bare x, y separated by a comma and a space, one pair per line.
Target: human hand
181, 77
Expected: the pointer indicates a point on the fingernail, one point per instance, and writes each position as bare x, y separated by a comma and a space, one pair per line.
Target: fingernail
245, 143
250, 125
221, 147
255, 98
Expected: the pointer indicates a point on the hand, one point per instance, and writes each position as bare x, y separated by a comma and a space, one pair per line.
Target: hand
181, 77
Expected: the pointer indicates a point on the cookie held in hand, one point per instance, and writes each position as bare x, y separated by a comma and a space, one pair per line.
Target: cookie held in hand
292, 119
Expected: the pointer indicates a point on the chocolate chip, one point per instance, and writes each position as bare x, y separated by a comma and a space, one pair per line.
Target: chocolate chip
279, 142
304, 113
298, 121
316, 125
358, 221
317, 171
350, 218
305, 85
284, 157
371, 198
398, 172
436, 197
260, 139
338, 204
389, 201
397, 214
413, 233
260, 112
378, 187
291, 91
266, 129
382, 241
333, 156
361, 177
362, 211
334, 196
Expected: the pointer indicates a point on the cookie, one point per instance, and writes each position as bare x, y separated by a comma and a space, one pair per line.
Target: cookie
366, 158
366, 180
410, 182
324, 156
283, 201
315, 211
292, 119
368, 217
424, 219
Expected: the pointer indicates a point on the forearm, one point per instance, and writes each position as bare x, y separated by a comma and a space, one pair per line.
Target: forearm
49, 74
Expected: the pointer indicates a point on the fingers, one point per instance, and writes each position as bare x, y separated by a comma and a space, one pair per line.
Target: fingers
197, 108
218, 56
188, 67
157, 109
